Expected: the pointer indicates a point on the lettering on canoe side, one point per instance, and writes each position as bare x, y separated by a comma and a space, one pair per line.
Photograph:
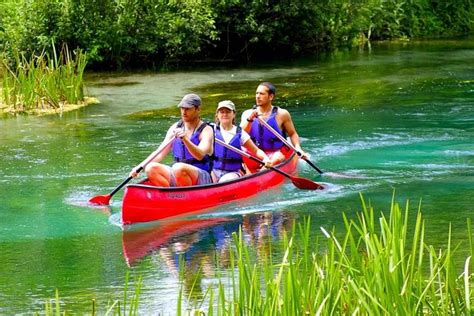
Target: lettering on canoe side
176, 195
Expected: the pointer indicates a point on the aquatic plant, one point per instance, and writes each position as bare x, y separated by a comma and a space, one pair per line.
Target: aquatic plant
127, 306
44, 82
379, 265
376, 267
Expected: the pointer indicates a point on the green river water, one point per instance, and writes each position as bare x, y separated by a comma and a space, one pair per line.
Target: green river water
393, 117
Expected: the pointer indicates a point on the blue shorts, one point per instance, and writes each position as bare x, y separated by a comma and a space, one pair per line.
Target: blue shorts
204, 177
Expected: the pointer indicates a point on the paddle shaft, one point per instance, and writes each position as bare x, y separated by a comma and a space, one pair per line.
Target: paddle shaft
287, 143
153, 155
124, 182
142, 166
243, 153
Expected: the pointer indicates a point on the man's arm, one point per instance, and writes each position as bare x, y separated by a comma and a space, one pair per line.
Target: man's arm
289, 128
247, 118
167, 149
206, 144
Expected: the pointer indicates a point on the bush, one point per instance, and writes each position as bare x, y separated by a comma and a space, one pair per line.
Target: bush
133, 33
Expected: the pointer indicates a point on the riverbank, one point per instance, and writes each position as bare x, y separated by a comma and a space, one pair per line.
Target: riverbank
8, 110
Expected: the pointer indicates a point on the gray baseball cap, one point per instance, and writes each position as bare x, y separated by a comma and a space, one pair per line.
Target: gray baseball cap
226, 104
189, 101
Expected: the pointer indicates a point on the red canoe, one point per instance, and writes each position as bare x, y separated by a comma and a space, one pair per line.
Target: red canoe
145, 203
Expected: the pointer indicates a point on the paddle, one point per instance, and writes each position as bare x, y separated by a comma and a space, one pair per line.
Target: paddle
301, 183
287, 143
104, 199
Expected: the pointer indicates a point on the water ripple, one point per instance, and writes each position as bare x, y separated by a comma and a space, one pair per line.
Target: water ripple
383, 140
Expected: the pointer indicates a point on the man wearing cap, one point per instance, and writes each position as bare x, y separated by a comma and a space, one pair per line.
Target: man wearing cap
192, 149
279, 119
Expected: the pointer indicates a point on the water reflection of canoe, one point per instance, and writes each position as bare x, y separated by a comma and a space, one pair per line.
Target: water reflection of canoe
138, 243
144, 203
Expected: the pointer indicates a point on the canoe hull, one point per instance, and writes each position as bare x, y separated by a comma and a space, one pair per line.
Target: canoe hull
144, 203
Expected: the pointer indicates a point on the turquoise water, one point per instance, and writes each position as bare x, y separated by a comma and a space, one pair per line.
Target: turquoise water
393, 117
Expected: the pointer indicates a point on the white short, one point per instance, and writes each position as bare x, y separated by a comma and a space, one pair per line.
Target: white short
219, 173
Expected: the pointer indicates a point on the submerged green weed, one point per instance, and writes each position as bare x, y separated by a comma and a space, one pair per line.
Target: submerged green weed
380, 266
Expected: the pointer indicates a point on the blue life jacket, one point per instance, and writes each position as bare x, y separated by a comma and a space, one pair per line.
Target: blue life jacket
224, 158
181, 153
262, 137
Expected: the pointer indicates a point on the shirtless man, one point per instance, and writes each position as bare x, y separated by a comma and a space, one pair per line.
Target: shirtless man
278, 118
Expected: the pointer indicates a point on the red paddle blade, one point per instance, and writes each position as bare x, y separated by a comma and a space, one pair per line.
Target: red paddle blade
305, 184
100, 199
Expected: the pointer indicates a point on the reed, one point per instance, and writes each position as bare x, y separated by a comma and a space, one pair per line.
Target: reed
128, 306
44, 82
379, 265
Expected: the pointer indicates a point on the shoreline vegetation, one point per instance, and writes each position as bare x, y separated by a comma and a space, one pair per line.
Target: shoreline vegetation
381, 264
163, 35
9, 110
44, 84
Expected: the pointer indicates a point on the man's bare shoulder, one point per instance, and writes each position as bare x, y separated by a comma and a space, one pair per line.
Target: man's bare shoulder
283, 113
207, 133
207, 128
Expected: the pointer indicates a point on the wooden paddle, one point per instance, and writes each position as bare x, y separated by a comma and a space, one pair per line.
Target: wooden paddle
104, 199
287, 143
301, 183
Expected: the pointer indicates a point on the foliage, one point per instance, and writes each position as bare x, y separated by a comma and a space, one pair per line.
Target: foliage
268, 28
112, 33
133, 33
120, 31
376, 268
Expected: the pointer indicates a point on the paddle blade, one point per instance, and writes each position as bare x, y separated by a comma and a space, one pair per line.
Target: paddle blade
100, 199
305, 184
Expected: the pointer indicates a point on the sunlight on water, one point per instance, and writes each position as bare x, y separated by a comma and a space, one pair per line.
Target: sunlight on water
116, 219
393, 119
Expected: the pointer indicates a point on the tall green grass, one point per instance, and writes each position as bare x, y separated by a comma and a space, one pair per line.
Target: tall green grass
381, 265
44, 82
